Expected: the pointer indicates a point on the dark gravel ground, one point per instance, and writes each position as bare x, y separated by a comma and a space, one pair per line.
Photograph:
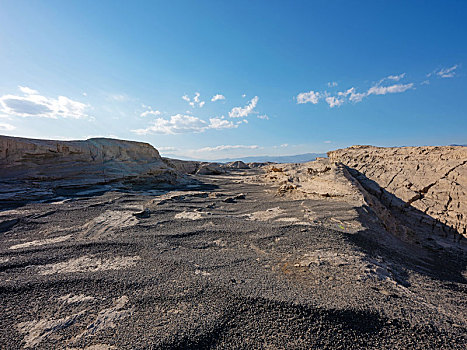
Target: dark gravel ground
192, 270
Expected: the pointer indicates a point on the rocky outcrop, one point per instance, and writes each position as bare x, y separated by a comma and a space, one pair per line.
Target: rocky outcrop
237, 165
424, 186
195, 167
41, 168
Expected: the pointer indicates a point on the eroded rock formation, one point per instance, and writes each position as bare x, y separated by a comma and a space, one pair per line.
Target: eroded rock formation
38, 168
428, 184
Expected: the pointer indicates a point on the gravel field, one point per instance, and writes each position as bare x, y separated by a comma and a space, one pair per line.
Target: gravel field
226, 264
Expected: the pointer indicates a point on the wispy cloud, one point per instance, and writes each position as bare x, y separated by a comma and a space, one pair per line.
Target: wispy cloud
7, 127
242, 112
225, 148
150, 112
447, 72
167, 149
181, 124
396, 77
217, 97
383, 90
118, 97
332, 84
32, 104
221, 123
352, 95
263, 116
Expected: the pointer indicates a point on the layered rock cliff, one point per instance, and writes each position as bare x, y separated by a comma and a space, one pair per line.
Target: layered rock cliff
426, 187
30, 167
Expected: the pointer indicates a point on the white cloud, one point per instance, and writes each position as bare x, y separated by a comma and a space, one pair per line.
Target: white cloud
383, 90
327, 141
333, 101
351, 95
217, 97
310, 96
7, 127
32, 104
167, 149
118, 97
177, 124
285, 145
264, 116
332, 84
356, 96
28, 91
150, 112
85, 93
447, 72
243, 95
221, 123
196, 100
242, 112
396, 77
181, 124
225, 148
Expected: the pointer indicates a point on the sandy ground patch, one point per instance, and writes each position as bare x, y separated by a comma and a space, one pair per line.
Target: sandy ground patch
107, 318
41, 242
38, 330
266, 214
90, 264
70, 298
191, 215
108, 222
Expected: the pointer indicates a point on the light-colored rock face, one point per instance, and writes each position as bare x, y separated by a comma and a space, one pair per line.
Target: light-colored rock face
36, 168
17, 151
427, 183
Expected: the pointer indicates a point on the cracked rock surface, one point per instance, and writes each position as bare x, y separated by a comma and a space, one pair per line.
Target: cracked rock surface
428, 184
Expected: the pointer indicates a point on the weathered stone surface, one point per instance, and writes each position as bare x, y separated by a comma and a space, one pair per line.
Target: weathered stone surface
31, 168
210, 169
426, 183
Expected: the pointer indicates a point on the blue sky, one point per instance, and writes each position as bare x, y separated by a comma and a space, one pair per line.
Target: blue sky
216, 79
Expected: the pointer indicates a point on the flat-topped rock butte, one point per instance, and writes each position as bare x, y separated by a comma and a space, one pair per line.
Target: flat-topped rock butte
106, 245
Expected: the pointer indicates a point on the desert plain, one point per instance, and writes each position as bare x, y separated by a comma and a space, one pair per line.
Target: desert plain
104, 244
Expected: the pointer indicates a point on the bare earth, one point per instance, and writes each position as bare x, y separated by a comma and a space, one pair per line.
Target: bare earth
242, 260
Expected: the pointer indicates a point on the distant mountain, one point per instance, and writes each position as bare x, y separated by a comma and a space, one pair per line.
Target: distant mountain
298, 158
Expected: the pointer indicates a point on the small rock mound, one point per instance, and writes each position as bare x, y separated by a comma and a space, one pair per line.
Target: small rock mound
237, 165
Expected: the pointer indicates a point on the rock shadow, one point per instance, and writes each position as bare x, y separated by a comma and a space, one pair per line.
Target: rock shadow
439, 250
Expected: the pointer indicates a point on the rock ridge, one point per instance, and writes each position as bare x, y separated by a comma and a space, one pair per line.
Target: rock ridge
428, 184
